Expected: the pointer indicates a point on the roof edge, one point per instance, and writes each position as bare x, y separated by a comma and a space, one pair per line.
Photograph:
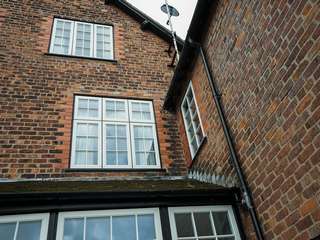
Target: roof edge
146, 21
188, 54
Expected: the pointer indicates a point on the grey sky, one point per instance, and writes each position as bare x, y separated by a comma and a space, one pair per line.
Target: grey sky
180, 24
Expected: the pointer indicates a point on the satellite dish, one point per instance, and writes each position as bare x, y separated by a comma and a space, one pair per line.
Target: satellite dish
172, 11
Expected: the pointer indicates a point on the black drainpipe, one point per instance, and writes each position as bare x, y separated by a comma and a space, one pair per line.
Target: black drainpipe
247, 197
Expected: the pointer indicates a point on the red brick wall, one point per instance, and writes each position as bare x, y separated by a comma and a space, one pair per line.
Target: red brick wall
265, 58
37, 89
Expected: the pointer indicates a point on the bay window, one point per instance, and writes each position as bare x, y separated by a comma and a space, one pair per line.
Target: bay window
131, 224
24, 227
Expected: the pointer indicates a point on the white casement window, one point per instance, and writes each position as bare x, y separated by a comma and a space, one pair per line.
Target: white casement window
114, 133
192, 121
82, 39
203, 222
128, 224
24, 227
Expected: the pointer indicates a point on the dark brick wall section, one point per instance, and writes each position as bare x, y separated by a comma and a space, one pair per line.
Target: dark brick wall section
265, 56
36, 93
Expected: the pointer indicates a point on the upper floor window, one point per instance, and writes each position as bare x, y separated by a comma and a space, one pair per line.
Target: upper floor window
114, 133
82, 39
192, 121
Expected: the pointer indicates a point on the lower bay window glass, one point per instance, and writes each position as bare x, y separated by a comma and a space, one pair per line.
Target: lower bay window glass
106, 134
205, 222
129, 224
24, 227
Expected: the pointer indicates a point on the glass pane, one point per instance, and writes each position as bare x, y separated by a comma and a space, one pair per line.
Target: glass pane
149, 144
82, 129
80, 158
139, 145
146, 228
83, 103
140, 159
110, 105
135, 106
145, 107
93, 129
93, 104
73, 229
136, 115
122, 144
138, 132
123, 158
123, 228
120, 106
92, 143
151, 158
7, 230
92, 158
226, 238
111, 130
121, 131
221, 223
111, 144
203, 223
111, 158
121, 115
184, 224
29, 230
81, 143
98, 229
146, 116
148, 133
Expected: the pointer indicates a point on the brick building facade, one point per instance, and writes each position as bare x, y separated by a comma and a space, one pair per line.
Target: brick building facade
264, 58
76, 74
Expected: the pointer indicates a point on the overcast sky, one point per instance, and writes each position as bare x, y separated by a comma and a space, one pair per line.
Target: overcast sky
180, 23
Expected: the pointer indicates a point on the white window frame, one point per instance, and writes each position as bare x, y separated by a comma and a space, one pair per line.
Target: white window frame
102, 120
73, 153
43, 217
105, 117
150, 108
110, 213
73, 35
156, 147
128, 145
75, 38
192, 209
111, 40
190, 88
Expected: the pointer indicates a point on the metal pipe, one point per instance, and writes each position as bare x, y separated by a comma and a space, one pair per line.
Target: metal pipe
247, 197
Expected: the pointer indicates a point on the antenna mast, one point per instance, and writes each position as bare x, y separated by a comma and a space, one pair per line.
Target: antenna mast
171, 11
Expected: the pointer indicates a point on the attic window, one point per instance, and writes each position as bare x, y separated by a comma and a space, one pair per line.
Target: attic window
82, 39
114, 133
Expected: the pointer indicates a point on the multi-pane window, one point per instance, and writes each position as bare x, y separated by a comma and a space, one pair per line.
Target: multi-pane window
192, 121
114, 133
82, 39
131, 224
207, 222
24, 227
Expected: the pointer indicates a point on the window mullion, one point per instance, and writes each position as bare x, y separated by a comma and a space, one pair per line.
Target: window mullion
194, 226
16, 231
84, 228
136, 221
